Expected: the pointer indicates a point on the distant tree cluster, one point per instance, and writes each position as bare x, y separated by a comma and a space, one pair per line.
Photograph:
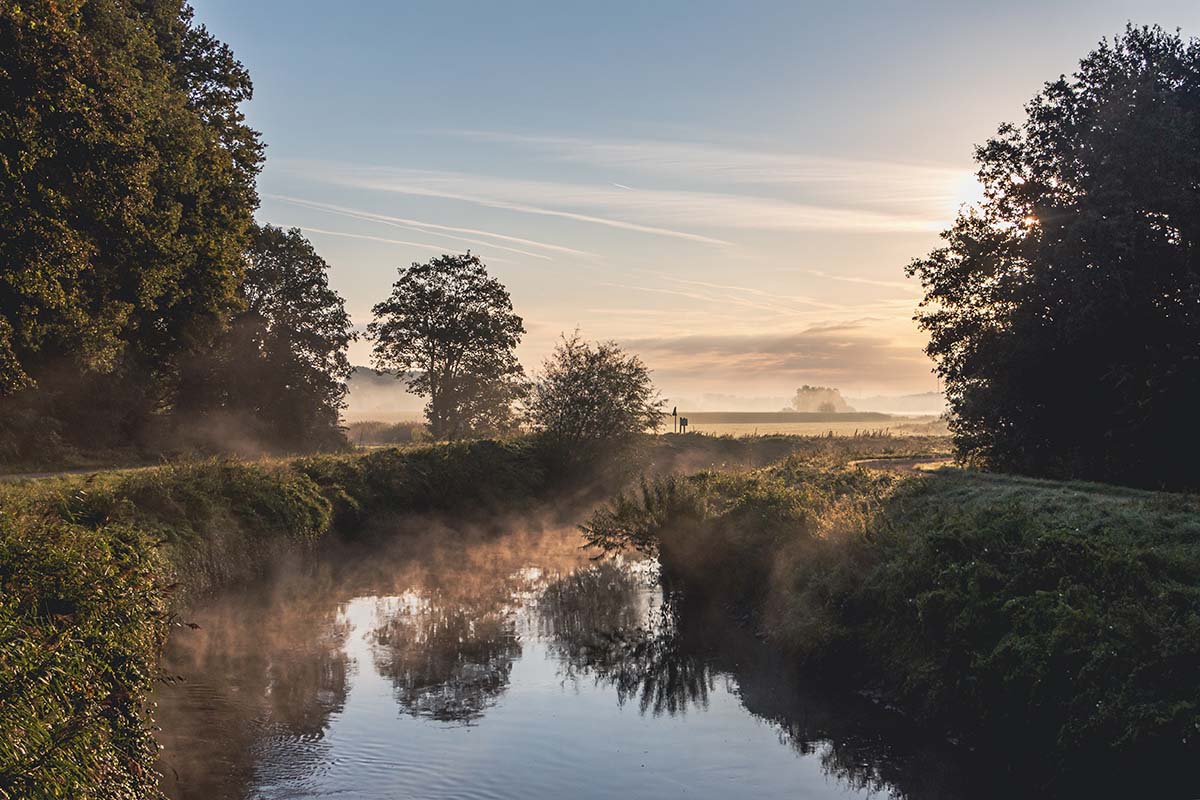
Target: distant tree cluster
1064, 311
822, 399
448, 329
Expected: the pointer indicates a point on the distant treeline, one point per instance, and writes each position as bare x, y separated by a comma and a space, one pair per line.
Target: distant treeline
730, 417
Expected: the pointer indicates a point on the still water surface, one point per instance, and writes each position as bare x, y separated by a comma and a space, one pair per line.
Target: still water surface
508, 667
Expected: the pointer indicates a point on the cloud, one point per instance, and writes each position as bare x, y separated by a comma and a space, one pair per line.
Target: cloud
843, 355
430, 227
924, 188
908, 287
670, 213
434, 247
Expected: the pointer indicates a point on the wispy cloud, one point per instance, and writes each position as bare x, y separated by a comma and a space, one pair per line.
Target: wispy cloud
845, 355
907, 287
400, 242
671, 213
932, 187
431, 228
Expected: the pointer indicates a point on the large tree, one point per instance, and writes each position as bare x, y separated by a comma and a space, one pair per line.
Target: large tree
450, 330
1064, 310
126, 189
593, 394
277, 377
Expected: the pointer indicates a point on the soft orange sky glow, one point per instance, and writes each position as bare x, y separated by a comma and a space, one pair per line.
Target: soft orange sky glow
732, 191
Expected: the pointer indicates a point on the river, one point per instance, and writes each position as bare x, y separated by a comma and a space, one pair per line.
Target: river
451, 664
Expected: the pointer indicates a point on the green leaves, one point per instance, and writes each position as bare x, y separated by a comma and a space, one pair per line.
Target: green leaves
1062, 310
450, 330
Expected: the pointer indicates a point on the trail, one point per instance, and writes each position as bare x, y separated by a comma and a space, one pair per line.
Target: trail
16, 477
906, 465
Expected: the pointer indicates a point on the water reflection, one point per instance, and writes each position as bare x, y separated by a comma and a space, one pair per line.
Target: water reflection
607, 622
368, 673
447, 660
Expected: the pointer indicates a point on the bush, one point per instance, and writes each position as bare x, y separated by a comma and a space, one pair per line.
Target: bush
375, 432
1055, 624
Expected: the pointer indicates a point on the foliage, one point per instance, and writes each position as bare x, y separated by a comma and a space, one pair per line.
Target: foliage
126, 186
88, 573
821, 399
1062, 309
593, 393
278, 376
1054, 624
373, 432
452, 326
81, 621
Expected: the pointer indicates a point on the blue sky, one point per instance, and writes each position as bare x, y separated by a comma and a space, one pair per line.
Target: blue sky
731, 189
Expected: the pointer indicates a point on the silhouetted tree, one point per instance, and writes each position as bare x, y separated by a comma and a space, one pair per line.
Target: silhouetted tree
278, 376
822, 399
593, 393
449, 329
1064, 311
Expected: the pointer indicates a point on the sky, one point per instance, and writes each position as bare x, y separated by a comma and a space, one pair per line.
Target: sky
732, 190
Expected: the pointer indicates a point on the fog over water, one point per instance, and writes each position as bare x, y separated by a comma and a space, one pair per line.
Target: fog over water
454, 664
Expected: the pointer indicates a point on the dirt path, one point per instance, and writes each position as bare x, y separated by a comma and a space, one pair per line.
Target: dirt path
15, 477
906, 465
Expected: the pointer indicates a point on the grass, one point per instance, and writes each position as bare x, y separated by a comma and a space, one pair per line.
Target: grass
94, 568
851, 424
1054, 625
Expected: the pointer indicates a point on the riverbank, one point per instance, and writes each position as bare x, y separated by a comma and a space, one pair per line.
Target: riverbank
94, 567
1051, 625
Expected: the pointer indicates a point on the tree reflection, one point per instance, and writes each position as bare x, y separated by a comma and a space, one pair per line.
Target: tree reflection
264, 665
605, 622
448, 660
613, 623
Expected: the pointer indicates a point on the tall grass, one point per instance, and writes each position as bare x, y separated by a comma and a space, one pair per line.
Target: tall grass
1055, 625
92, 569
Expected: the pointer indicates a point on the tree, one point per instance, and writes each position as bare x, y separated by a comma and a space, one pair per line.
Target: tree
593, 393
278, 376
1064, 311
127, 189
822, 399
452, 326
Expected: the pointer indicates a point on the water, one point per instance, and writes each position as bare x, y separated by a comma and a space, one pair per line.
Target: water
508, 667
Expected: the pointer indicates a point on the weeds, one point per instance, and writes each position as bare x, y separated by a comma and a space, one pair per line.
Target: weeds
1054, 623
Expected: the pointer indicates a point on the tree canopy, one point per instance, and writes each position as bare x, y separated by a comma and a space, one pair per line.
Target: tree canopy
277, 378
127, 188
590, 393
450, 330
126, 185
1064, 310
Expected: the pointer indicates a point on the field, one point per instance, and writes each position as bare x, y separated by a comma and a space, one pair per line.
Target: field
768, 424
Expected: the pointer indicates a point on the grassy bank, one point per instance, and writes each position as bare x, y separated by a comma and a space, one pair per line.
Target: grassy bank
92, 568
1054, 625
